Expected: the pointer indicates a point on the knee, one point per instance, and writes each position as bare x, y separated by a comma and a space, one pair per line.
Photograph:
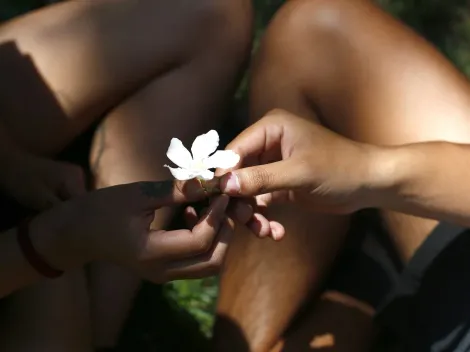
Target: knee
303, 28
224, 28
309, 17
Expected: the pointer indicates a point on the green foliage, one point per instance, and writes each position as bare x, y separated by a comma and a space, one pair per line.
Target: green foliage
10, 8
198, 297
445, 23
264, 11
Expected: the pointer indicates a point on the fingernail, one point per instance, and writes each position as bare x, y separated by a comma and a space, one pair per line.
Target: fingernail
276, 234
232, 184
277, 231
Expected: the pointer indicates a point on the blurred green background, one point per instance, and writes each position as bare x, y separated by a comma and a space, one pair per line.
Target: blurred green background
179, 316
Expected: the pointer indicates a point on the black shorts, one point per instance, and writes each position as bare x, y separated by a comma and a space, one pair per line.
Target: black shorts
424, 306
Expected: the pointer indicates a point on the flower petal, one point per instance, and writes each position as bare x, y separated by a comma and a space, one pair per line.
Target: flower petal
179, 154
205, 145
206, 175
223, 159
181, 174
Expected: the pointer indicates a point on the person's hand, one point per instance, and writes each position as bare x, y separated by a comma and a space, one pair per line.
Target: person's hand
113, 225
289, 159
39, 183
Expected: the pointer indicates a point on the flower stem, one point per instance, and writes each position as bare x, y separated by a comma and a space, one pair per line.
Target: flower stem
209, 190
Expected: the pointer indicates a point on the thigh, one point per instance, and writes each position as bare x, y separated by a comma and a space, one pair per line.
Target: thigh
370, 78
67, 64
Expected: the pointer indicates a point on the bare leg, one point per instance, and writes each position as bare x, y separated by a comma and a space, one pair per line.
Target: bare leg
363, 74
76, 61
92, 55
265, 283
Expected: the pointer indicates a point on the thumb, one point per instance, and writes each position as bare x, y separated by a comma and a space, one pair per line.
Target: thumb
72, 187
256, 180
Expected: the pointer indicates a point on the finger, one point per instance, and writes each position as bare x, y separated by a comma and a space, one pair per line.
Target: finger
257, 180
241, 210
263, 228
267, 199
73, 186
190, 217
277, 230
205, 265
247, 213
260, 137
171, 245
259, 143
259, 225
153, 195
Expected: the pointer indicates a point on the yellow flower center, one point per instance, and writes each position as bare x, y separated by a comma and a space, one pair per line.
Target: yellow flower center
197, 165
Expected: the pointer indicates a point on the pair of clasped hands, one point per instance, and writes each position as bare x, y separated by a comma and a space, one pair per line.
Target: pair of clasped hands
283, 158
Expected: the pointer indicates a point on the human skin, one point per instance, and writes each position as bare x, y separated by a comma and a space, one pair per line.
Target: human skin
349, 66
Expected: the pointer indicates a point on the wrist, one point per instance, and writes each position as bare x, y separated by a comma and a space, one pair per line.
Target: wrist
52, 236
390, 170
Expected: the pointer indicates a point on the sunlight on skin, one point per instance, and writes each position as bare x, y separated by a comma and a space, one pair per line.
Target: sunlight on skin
318, 342
322, 341
348, 301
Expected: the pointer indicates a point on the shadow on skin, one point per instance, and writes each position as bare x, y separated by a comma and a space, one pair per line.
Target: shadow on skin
26, 93
229, 330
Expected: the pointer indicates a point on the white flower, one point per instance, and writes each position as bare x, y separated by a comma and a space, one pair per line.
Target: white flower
200, 162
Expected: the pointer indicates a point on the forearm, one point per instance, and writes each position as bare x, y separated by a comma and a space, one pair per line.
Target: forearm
15, 271
47, 240
425, 179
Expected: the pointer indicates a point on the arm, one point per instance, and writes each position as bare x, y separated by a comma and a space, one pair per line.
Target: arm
327, 172
33, 181
424, 179
113, 225
15, 271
